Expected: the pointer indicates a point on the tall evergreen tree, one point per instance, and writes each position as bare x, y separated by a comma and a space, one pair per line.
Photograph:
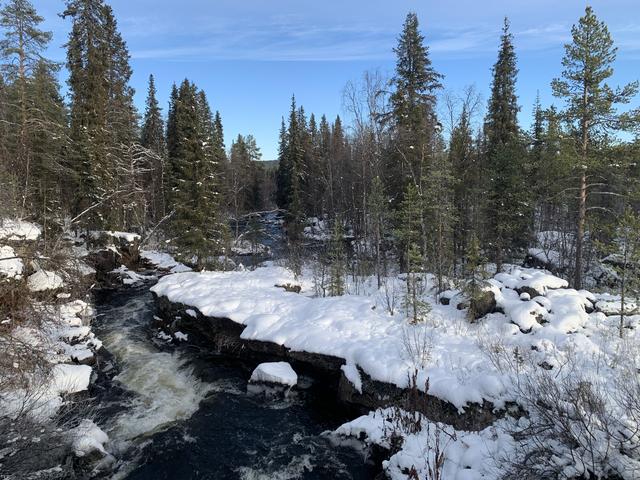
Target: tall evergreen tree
195, 179
48, 143
152, 134
462, 159
153, 139
508, 203
413, 103
590, 107
103, 117
21, 50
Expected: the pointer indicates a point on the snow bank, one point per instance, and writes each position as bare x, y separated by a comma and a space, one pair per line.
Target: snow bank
44, 280
18, 230
465, 455
353, 327
275, 372
71, 378
10, 266
456, 356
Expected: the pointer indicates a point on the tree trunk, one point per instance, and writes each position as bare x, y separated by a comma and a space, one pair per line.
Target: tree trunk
582, 215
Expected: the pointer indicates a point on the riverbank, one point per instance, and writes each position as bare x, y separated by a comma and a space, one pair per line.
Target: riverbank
537, 338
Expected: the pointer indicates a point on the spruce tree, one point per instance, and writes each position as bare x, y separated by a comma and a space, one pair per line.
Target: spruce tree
152, 134
198, 226
283, 174
294, 163
48, 143
409, 233
590, 107
508, 206
462, 159
413, 104
153, 139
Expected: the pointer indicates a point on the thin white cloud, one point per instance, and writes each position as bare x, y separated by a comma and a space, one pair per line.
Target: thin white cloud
292, 38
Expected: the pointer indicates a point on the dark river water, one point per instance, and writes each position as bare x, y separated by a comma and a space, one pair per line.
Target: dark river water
186, 414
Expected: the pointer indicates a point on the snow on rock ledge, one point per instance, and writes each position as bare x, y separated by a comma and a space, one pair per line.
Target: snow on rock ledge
275, 372
349, 327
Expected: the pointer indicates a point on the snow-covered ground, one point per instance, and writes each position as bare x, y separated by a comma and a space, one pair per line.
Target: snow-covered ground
10, 265
49, 342
449, 350
245, 247
539, 329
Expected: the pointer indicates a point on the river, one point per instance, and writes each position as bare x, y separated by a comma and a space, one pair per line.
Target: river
182, 413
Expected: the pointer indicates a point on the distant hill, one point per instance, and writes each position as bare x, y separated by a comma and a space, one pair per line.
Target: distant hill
269, 164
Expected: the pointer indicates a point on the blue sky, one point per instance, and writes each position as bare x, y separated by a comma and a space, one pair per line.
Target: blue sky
250, 56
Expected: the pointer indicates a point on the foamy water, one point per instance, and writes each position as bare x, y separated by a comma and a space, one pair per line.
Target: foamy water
165, 389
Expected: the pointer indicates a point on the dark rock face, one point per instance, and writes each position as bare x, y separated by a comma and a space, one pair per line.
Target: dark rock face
105, 258
223, 336
482, 304
532, 292
531, 261
376, 394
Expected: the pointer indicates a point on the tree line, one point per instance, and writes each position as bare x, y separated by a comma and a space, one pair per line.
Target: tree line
415, 174
447, 186
93, 162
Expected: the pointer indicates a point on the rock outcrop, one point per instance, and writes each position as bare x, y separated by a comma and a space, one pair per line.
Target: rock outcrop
224, 337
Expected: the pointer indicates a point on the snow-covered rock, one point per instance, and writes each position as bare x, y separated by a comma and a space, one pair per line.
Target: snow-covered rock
71, 378
10, 266
245, 247
19, 230
125, 236
44, 280
275, 372
163, 261
87, 438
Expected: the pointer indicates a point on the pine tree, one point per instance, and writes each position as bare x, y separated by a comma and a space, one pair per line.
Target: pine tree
153, 138
590, 106
508, 200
